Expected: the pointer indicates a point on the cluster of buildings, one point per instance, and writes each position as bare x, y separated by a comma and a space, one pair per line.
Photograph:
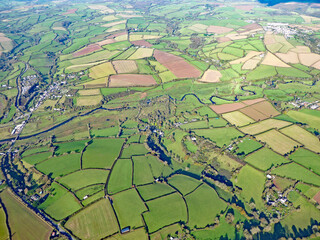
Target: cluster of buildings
27, 83
281, 28
299, 104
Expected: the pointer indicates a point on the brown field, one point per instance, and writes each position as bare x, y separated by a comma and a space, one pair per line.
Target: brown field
260, 111
177, 65
142, 43
278, 142
236, 36
223, 39
6, 43
272, 60
253, 101
310, 141
113, 23
218, 29
317, 197
59, 28
263, 126
250, 28
90, 92
89, 100
70, 11
290, 57
125, 66
117, 35
316, 65
309, 59
253, 113
224, 108
137, 37
269, 39
88, 49
131, 80
211, 76
245, 7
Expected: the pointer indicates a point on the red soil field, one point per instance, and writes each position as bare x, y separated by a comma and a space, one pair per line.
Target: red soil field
253, 101
245, 7
317, 197
131, 80
88, 49
223, 39
70, 11
177, 65
116, 35
218, 29
224, 108
143, 43
266, 108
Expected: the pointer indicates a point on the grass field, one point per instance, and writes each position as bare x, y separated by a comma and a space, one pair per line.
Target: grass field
247, 146
237, 118
221, 136
35, 150
141, 53
309, 141
129, 207
277, 141
105, 132
165, 211
154, 190
23, 222
89, 191
184, 183
68, 147
137, 234
84, 178
60, 203
264, 159
94, 222
297, 172
310, 117
4, 232
308, 159
263, 126
59, 166
134, 149
142, 172
101, 153
252, 183
36, 158
204, 205
121, 176
89, 100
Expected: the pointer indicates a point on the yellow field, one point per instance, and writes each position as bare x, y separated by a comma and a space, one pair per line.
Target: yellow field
6, 43
211, 76
89, 100
310, 141
100, 82
80, 67
237, 118
48, 103
142, 53
272, 60
278, 142
114, 23
250, 61
301, 49
109, 18
102, 8
142, 37
102, 70
290, 57
90, 92
265, 125
309, 59
200, 28
125, 66
116, 28
277, 43
251, 64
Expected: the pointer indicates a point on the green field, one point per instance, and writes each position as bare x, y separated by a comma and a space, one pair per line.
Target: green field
183, 183
141, 171
133, 150
94, 222
165, 211
221, 136
154, 190
68, 147
83, 178
204, 205
59, 166
129, 207
247, 146
37, 158
307, 159
101, 153
265, 158
24, 223
120, 176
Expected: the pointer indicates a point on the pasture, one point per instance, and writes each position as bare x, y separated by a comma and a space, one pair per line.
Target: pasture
121, 176
94, 222
129, 207
307, 159
154, 190
101, 153
183, 183
141, 171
